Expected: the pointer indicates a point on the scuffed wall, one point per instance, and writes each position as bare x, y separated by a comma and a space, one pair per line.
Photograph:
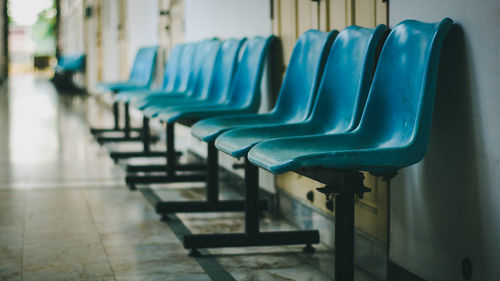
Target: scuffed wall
446, 208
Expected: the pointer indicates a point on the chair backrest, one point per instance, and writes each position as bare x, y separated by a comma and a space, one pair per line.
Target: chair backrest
347, 78
224, 69
399, 107
143, 67
171, 68
245, 89
74, 62
183, 79
203, 67
302, 77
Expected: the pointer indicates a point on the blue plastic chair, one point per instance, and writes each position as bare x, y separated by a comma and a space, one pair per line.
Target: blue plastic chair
296, 95
220, 80
190, 70
71, 62
244, 96
339, 104
213, 83
185, 78
393, 132
141, 78
170, 78
141, 75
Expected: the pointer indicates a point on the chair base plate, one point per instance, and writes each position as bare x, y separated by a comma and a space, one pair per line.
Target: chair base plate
277, 238
163, 167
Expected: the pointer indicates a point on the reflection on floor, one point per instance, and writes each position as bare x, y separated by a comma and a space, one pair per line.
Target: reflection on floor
65, 213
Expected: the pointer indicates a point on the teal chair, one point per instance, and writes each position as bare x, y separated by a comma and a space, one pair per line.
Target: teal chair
246, 81
217, 93
393, 132
180, 81
67, 66
188, 71
341, 88
141, 78
171, 79
170, 83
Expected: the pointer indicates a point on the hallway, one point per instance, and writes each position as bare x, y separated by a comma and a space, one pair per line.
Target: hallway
65, 213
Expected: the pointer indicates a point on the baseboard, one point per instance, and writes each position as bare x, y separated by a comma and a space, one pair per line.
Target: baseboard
398, 273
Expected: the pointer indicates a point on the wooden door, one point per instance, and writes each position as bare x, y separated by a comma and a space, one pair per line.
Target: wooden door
290, 19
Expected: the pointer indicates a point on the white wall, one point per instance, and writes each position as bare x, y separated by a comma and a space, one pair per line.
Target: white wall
71, 27
226, 18
448, 206
141, 25
110, 40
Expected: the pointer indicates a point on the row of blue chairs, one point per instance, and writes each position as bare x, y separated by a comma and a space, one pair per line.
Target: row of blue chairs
358, 100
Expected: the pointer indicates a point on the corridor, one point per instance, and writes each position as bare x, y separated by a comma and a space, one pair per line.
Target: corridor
66, 214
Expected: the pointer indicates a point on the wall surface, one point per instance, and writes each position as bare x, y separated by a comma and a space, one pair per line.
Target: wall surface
71, 38
226, 18
141, 25
447, 207
110, 40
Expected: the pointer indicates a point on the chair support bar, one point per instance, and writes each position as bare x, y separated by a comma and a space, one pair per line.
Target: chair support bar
252, 235
343, 185
138, 154
132, 180
163, 167
212, 203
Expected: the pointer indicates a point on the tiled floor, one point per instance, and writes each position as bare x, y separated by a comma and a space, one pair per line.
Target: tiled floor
65, 213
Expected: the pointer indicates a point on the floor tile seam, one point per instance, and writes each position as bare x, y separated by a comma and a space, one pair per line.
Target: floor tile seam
206, 262
111, 187
25, 222
85, 197
110, 180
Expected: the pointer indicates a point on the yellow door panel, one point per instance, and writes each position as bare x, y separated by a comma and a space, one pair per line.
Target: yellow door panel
340, 13
288, 26
307, 15
291, 18
365, 12
380, 12
370, 212
323, 16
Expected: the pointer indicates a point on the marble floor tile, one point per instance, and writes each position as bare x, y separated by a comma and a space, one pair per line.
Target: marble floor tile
11, 214
11, 254
92, 271
164, 277
135, 232
56, 253
168, 264
146, 259
297, 273
107, 205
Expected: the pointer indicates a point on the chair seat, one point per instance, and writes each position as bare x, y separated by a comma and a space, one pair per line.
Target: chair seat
127, 96
238, 142
348, 151
157, 99
204, 112
209, 129
154, 108
120, 87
